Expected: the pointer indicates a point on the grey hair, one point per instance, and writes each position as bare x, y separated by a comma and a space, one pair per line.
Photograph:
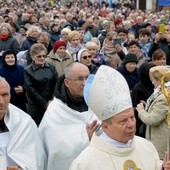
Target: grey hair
90, 44
36, 48
31, 28
68, 69
2, 79
6, 25
68, 72
109, 120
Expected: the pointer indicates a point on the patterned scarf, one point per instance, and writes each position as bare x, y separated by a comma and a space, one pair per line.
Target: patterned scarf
155, 94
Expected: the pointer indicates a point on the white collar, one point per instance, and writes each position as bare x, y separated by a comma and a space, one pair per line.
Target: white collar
116, 143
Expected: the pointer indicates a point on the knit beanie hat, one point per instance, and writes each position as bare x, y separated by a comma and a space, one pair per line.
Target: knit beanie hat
58, 44
118, 21
22, 26
130, 58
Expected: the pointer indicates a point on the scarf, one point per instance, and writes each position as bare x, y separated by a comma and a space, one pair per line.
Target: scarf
108, 49
75, 49
4, 37
155, 94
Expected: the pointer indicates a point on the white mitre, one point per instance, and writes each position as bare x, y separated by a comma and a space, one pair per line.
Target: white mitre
107, 93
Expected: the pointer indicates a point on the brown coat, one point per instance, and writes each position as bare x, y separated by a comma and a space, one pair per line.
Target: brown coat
156, 121
59, 65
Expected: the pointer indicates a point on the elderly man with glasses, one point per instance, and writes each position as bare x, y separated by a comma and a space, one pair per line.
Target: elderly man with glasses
68, 124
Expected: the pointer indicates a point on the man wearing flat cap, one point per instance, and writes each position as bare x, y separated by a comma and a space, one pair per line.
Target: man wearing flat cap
116, 147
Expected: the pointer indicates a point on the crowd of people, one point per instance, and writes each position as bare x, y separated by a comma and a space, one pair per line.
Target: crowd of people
80, 85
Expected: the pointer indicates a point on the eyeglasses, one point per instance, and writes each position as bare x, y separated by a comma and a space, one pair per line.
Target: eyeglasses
79, 79
85, 57
40, 56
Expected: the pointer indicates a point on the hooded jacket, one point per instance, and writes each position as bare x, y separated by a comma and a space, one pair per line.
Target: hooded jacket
14, 75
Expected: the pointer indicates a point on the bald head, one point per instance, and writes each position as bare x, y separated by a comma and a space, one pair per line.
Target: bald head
70, 69
75, 78
4, 97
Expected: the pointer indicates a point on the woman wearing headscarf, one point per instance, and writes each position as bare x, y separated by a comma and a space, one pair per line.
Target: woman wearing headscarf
84, 56
14, 75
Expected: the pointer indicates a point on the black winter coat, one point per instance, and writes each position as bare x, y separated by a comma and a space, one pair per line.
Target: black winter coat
11, 43
40, 85
131, 78
142, 91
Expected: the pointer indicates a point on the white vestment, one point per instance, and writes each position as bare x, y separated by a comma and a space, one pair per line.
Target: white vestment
24, 145
101, 155
64, 135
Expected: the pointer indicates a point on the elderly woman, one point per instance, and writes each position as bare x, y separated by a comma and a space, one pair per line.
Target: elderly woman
14, 75
32, 36
129, 70
98, 58
59, 57
154, 112
74, 45
64, 34
84, 56
6, 39
40, 80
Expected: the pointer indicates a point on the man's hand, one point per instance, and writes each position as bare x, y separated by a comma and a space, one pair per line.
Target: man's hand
91, 128
14, 168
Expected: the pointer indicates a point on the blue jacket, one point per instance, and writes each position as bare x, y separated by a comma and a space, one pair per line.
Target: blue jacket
131, 78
